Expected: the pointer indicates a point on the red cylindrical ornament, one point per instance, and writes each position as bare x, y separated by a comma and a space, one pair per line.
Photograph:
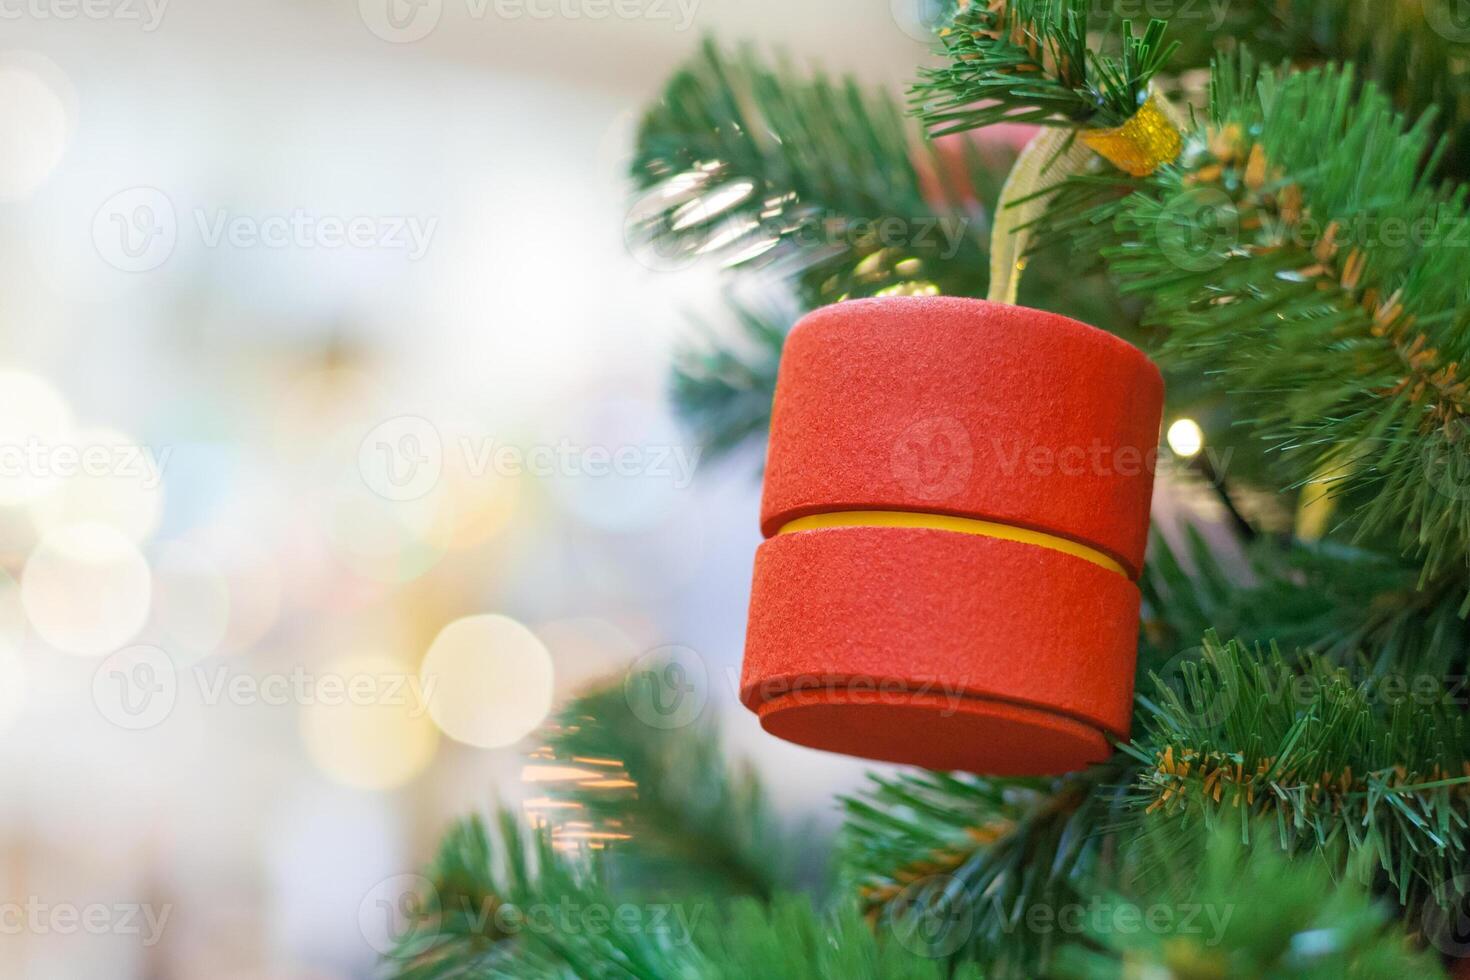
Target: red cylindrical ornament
956, 508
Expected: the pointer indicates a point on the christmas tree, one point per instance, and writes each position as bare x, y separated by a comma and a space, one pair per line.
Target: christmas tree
1270, 200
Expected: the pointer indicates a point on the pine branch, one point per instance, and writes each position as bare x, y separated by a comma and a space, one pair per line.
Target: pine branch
1300, 252
786, 941
512, 906
724, 391
977, 854
1350, 605
679, 818
1030, 61
810, 180
1415, 51
1252, 913
1331, 759
468, 925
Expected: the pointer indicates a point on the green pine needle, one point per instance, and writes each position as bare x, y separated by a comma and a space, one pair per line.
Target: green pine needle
1333, 759
697, 822
1299, 254
814, 181
1252, 913
1029, 61
723, 390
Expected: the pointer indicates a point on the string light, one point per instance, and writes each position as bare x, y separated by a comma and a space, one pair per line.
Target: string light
1186, 438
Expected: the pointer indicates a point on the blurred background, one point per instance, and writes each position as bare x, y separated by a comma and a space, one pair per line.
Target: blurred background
320, 335
324, 356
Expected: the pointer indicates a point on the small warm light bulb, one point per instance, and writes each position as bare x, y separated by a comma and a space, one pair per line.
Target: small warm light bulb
1185, 438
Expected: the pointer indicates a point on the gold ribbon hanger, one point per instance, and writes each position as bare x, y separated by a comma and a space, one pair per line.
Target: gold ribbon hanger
1150, 138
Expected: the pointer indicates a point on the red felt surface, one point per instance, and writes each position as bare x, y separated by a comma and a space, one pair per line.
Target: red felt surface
965, 407
992, 737
855, 632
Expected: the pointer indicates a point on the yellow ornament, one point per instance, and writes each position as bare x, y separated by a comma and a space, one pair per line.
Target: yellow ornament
1143, 144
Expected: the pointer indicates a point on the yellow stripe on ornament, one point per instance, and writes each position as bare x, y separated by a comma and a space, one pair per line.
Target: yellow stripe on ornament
947, 522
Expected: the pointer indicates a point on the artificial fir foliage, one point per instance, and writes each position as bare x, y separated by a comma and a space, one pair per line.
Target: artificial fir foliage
1299, 753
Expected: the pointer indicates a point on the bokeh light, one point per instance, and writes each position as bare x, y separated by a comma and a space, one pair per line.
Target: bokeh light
492, 681
34, 423
376, 744
115, 482
86, 589
33, 131
13, 686
191, 601
13, 626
